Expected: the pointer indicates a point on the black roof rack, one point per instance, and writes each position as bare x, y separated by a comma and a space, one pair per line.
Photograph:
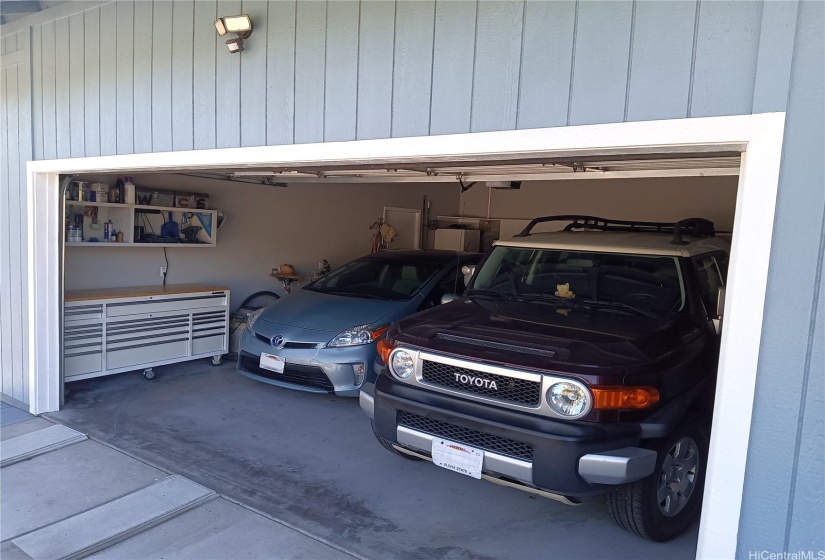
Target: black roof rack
694, 227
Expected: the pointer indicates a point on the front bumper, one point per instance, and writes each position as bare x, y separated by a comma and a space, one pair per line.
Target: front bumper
316, 370
567, 458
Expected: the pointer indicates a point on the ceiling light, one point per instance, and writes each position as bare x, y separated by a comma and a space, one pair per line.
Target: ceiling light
241, 25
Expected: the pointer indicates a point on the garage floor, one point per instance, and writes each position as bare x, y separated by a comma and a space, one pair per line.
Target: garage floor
311, 461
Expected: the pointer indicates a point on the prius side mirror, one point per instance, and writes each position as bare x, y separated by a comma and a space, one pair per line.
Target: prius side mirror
468, 270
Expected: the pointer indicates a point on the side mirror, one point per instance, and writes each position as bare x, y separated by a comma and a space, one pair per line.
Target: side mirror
468, 270
447, 298
720, 310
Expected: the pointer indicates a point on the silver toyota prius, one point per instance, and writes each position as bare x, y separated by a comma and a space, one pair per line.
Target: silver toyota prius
322, 338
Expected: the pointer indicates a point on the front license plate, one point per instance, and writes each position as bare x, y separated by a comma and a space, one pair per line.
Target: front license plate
272, 363
457, 457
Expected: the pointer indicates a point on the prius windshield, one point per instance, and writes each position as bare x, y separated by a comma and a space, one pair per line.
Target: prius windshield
375, 278
643, 282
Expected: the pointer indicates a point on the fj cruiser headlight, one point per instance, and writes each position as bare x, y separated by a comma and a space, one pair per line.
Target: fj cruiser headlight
357, 336
401, 364
568, 399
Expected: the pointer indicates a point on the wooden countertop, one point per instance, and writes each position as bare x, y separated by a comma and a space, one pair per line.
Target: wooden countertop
140, 291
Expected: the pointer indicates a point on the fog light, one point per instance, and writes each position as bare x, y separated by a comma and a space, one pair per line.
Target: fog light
358, 371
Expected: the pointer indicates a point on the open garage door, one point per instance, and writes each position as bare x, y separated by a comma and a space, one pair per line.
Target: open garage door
687, 148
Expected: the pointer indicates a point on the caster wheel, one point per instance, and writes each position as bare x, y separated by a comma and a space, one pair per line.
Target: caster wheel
217, 360
148, 374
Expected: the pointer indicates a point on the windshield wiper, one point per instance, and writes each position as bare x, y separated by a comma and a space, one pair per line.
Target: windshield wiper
620, 305
484, 292
359, 295
551, 297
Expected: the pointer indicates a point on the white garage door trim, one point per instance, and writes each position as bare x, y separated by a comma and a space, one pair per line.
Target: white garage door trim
759, 136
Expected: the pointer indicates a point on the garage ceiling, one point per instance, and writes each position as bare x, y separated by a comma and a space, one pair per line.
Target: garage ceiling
525, 168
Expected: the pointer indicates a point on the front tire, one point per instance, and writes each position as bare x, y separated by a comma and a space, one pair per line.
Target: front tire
664, 504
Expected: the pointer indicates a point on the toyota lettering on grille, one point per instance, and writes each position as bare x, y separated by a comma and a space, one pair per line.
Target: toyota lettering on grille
476, 381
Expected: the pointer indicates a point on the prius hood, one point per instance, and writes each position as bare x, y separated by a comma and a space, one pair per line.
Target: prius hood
316, 311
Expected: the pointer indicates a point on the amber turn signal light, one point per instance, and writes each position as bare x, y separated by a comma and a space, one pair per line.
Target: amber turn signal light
385, 347
624, 398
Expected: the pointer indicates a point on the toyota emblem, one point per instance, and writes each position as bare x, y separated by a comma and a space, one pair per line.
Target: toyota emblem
277, 341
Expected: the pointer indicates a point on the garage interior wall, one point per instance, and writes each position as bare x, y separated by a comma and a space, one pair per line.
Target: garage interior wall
660, 200
265, 227
111, 77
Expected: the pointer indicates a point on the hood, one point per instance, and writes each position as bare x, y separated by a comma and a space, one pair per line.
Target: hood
586, 338
315, 311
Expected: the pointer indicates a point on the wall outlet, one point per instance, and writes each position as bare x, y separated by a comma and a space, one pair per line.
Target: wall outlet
163, 272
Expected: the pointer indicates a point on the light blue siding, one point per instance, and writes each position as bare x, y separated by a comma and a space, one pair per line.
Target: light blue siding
341, 70
546, 60
375, 70
49, 99
108, 79
161, 79
773, 67
452, 81
143, 119
497, 65
310, 65
600, 63
37, 92
183, 94
661, 61
204, 74
412, 79
91, 83
280, 73
253, 80
727, 42
77, 86
124, 76
63, 130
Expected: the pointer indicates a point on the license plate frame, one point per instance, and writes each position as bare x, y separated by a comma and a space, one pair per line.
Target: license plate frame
272, 362
457, 457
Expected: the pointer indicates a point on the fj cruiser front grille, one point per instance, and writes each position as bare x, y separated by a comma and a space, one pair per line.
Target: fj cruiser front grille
473, 438
510, 389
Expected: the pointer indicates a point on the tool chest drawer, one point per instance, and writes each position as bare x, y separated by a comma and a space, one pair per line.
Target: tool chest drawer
127, 329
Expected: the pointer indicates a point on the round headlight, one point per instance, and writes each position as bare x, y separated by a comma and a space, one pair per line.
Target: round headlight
568, 399
401, 364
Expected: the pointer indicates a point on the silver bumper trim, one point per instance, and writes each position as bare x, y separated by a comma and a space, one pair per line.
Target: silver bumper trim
502, 482
619, 466
367, 403
493, 462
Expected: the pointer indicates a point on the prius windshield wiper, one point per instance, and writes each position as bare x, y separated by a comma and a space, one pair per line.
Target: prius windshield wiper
358, 295
620, 305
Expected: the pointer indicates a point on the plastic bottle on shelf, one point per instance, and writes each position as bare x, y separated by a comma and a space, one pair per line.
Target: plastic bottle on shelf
107, 231
129, 191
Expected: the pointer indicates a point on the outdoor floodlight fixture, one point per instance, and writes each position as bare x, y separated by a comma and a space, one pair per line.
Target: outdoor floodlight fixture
241, 25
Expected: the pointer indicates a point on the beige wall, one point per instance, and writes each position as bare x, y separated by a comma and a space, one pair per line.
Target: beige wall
639, 199
265, 227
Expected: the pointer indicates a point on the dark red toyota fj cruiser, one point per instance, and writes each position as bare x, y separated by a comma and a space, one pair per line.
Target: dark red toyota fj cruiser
577, 363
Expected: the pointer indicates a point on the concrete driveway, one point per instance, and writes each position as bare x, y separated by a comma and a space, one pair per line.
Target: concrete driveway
311, 462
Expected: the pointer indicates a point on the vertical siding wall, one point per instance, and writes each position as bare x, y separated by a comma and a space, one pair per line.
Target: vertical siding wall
15, 151
149, 76
141, 76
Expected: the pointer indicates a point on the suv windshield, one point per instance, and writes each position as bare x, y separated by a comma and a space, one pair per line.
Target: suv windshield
375, 278
643, 282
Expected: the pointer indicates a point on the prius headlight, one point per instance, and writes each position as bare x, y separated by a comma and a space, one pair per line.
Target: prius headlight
252, 317
357, 336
